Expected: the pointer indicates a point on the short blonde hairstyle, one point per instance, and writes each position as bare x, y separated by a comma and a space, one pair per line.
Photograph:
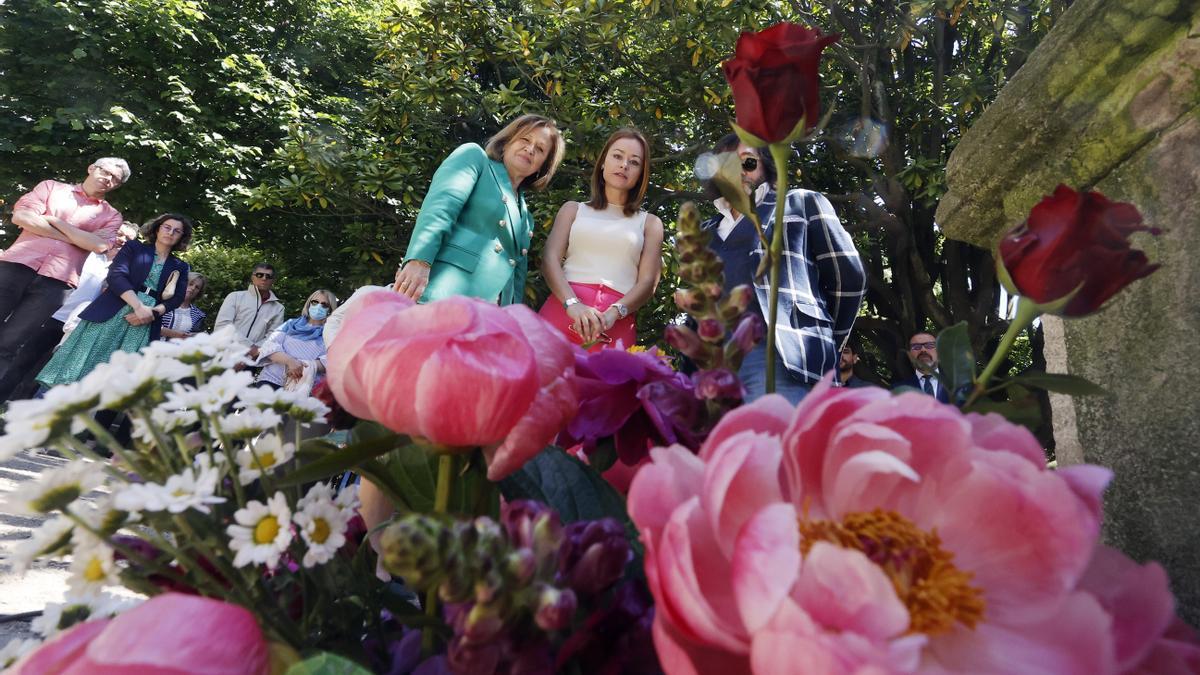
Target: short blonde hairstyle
203, 282
518, 127
329, 297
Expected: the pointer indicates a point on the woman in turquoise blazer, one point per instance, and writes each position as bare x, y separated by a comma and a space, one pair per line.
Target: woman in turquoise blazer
473, 233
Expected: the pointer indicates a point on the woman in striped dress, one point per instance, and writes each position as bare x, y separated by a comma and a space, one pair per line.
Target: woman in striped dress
293, 357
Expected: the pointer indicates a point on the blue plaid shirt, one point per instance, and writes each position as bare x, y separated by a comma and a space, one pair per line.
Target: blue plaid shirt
822, 282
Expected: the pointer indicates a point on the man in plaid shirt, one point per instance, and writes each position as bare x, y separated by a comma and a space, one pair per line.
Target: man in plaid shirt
822, 281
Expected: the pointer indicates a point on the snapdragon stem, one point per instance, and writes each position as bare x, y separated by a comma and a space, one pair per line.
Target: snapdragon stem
441, 503
1027, 311
779, 153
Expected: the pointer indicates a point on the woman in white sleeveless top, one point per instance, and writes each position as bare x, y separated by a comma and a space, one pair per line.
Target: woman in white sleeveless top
603, 258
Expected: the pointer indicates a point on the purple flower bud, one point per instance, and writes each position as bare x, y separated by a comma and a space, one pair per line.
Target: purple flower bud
718, 384
483, 623
467, 657
593, 555
522, 565
712, 289
554, 608
749, 332
530, 524
685, 340
688, 300
740, 297
711, 330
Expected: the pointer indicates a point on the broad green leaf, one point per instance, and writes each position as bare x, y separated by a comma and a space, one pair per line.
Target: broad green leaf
1060, 383
1022, 407
341, 459
326, 663
956, 362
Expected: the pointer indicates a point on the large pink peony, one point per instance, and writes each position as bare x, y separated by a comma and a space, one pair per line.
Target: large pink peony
868, 533
457, 372
170, 634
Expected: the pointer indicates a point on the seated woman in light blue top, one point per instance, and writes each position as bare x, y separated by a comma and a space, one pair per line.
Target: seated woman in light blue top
294, 355
473, 233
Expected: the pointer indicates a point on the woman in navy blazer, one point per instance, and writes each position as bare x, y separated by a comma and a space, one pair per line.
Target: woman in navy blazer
145, 281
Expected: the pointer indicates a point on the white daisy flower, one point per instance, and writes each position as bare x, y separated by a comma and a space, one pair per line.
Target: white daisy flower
308, 409
167, 421
53, 490
264, 454
213, 397
16, 649
323, 526
59, 616
264, 398
194, 488
248, 423
200, 349
92, 567
31, 423
320, 492
347, 499
54, 535
262, 532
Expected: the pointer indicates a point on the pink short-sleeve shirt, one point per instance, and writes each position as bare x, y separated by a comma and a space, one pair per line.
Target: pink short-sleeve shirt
51, 257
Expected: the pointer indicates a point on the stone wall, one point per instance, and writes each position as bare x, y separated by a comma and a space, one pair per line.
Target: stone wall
1111, 101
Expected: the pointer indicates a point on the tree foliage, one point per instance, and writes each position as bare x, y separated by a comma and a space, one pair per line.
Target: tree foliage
309, 129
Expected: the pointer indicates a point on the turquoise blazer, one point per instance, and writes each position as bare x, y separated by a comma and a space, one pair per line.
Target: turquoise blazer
473, 230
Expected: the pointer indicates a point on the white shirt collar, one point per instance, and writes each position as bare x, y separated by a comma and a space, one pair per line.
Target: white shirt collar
728, 221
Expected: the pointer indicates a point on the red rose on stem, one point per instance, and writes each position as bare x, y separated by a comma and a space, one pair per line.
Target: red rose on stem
1075, 240
773, 75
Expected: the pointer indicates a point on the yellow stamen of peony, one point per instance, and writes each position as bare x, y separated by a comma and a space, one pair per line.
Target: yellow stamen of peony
93, 571
320, 531
266, 530
936, 593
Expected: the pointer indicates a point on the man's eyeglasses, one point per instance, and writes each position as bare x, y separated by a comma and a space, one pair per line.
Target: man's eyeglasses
918, 346
314, 301
264, 275
749, 164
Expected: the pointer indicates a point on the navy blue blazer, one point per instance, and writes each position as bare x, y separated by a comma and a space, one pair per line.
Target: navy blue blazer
128, 272
915, 382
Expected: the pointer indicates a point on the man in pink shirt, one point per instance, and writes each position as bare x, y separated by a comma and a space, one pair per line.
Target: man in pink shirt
60, 224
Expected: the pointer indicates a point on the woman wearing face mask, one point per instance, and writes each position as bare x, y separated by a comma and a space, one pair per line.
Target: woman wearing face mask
603, 258
294, 355
187, 319
473, 233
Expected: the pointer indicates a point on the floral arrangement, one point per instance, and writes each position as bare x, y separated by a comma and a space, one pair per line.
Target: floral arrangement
858, 532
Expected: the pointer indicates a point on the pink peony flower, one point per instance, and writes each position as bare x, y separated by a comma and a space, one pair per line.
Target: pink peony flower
865, 532
457, 372
170, 634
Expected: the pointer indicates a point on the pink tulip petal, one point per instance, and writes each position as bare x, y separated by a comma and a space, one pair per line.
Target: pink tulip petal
1074, 640
841, 589
1137, 596
61, 651
741, 478
765, 563
768, 415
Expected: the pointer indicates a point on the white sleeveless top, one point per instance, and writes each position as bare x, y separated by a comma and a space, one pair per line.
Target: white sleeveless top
605, 247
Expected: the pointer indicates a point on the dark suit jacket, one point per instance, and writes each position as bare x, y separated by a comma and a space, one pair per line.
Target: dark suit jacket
128, 272
915, 382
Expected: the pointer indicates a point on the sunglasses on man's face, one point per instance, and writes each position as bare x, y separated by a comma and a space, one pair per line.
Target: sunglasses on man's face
264, 275
749, 164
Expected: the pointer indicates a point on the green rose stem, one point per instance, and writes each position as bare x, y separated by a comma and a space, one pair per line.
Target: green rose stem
779, 153
441, 504
1027, 311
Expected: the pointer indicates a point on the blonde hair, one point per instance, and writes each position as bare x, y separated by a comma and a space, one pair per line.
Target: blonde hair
635, 195
329, 297
518, 127
203, 282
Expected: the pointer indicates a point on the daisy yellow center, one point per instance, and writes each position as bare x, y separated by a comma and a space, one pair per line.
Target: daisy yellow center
266, 460
936, 593
93, 571
266, 530
320, 531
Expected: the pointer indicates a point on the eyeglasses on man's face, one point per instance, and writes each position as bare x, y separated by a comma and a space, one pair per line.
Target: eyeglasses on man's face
918, 346
264, 275
749, 164
314, 302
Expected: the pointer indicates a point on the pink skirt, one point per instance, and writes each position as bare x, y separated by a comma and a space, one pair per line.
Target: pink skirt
623, 332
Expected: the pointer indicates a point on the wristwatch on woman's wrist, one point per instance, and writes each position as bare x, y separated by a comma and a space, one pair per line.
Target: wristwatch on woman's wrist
570, 301
622, 310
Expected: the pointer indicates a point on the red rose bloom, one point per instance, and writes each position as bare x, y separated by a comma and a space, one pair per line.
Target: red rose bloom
773, 75
1075, 239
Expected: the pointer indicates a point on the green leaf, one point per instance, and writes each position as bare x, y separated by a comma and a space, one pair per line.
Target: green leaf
573, 489
1060, 383
326, 663
341, 459
1021, 408
956, 362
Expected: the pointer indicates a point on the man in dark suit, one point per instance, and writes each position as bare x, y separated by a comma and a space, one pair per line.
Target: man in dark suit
846, 368
922, 351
